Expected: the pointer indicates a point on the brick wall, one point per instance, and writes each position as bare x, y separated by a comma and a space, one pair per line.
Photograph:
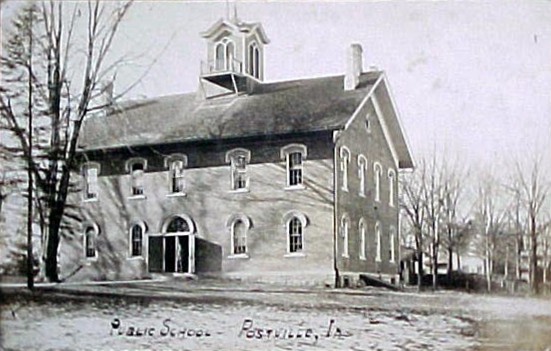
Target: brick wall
209, 202
373, 145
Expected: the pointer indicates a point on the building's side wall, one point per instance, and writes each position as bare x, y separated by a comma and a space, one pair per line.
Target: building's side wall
209, 202
373, 145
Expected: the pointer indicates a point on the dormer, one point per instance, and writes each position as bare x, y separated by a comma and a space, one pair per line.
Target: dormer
235, 55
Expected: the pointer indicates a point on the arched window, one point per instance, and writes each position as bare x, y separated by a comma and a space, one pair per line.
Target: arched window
136, 240
178, 225
378, 234
90, 237
251, 69
295, 235
256, 63
219, 60
345, 160
295, 222
378, 171
362, 170
344, 235
361, 230
239, 237
391, 186
230, 56
392, 239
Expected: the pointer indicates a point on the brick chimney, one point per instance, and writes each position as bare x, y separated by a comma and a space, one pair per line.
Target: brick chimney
353, 67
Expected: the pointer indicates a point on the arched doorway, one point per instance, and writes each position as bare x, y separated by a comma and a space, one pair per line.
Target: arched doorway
173, 250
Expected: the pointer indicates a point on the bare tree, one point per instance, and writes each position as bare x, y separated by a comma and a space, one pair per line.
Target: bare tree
533, 190
490, 221
412, 204
67, 73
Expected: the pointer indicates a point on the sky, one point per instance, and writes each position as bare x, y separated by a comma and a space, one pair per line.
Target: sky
471, 79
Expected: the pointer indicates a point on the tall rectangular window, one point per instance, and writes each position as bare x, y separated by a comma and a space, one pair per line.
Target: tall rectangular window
239, 166
177, 176
91, 182
137, 178
239, 160
295, 168
294, 156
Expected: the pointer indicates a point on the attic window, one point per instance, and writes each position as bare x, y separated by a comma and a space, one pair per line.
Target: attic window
368, 123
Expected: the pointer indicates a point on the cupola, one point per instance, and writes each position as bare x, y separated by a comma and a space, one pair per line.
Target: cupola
235, 57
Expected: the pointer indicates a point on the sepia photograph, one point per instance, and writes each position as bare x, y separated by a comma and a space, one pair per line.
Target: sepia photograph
275, 175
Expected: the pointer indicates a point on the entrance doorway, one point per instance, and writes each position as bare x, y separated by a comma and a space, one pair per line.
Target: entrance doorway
172, 251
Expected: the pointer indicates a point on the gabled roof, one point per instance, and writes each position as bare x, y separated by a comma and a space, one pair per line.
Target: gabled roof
238, 26
271, 109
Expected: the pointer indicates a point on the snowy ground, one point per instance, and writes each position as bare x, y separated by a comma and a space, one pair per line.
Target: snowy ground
245, 319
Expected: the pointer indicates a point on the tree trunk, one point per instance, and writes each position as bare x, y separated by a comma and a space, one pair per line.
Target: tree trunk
458, 260
534, 261
450, 263
434, 268
53, 244
419, 270
518, 256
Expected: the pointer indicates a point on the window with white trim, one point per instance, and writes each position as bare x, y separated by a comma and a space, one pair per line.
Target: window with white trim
378, 238
239, 237
378, 171
136, 240
239, 160
177, 180
90, 238
391, 186
391, 239
176, 165
344, 235
294, 155
363, 248
91, 172
254, 60
136, 167
224, 56
295, 235
345, 160
362, 171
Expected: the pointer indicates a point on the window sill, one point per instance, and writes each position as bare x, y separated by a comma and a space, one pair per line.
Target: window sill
137, 197
378, 260
294, 255
345, 256
295, 187
176, 195
89, 260
361, 194
135, 258
95, 199
363, 258
238, 257
239, 191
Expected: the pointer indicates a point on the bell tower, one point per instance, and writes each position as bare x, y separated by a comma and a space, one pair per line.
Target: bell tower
235, 57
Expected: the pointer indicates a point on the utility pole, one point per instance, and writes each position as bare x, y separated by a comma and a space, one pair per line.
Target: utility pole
30, 278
